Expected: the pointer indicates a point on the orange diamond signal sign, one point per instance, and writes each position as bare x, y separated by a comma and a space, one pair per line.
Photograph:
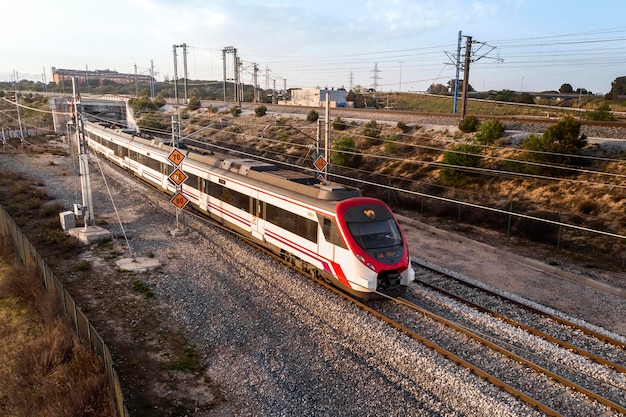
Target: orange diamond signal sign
176, 157
320, 163
178, 176
179, 200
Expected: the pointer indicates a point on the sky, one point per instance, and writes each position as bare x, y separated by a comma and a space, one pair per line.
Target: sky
392, 45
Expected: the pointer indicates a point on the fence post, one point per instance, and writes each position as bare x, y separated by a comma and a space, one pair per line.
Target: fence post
508, 227
558, 242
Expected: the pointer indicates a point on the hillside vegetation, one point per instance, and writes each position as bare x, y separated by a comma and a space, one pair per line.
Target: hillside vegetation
552, 174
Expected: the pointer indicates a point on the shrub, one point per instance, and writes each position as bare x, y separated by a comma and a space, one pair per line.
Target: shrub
587, 206
312, 116
557, 145
281, 121
143, 288
194, 103
344, 153
260, 111
339, 124
603, 113
403, 127
235, 111
460, 156
391, 147
469, 124
489, 132
371, 129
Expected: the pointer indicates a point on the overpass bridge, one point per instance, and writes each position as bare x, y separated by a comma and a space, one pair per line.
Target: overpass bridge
96, 107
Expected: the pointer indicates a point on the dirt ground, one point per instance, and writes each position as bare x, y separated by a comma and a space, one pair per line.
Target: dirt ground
597, 297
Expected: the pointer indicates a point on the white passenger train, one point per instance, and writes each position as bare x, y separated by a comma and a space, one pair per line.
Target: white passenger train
324, 229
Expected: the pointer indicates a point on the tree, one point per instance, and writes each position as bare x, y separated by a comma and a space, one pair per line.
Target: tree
437, 89
566, 88
505, 95
451, 86
525, 98
618, 88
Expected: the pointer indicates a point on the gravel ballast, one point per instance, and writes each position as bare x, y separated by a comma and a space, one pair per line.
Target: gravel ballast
274, 342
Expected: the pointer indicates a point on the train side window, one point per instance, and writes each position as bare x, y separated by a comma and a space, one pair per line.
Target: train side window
331, 233
291, 222
192, 181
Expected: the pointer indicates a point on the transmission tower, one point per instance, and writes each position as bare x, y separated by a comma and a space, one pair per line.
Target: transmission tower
376, 77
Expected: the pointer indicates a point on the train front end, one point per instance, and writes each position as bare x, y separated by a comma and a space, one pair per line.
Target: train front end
381, 261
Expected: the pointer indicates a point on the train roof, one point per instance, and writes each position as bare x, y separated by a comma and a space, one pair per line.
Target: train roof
294, 181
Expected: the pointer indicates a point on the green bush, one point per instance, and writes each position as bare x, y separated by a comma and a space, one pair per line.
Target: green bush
260, 111
602, 113
558, 145
339, 124
344, 153
460, 156
489, 132
194, 103
391, 147
312, 116
235, 111
469, 124
371, 129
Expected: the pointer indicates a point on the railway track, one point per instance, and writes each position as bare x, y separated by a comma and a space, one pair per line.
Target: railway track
376, 114
556, 366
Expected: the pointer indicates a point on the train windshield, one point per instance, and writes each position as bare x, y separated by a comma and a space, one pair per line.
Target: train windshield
377, 234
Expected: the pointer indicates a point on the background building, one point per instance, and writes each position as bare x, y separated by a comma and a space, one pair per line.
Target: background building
97, 77
317, 98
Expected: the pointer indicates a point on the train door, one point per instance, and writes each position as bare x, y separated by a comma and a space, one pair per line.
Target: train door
327, 245
257, 209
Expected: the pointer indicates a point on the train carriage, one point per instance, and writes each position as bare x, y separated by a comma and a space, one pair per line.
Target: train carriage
324, 229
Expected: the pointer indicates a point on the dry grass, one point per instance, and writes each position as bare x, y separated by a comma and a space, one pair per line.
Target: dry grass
159, 369
44, 370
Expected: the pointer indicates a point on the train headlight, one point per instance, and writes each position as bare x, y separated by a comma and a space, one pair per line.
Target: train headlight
367, 264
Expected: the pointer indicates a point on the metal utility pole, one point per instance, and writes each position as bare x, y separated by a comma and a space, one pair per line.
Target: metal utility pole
458, 68
152, 83
136, 86
17, 107
256, 78
327, 135
43, 78
184, 46
235, 75
86, 209
175, 74
466, 65
87, 78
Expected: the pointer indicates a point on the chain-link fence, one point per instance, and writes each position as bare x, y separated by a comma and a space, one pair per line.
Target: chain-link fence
84, 329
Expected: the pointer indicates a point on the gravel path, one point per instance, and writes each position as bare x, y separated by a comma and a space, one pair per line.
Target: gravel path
273, 342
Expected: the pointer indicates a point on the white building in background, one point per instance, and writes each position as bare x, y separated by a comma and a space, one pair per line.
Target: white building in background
317, 98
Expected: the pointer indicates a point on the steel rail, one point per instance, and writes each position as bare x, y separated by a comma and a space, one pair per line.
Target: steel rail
560, 320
